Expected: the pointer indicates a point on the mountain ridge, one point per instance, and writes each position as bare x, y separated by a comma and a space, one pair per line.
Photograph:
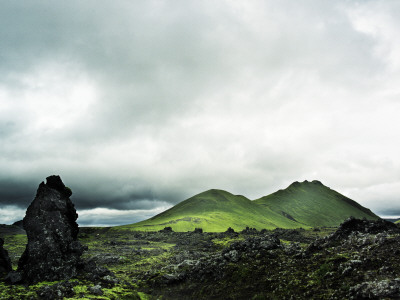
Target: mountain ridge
302, 204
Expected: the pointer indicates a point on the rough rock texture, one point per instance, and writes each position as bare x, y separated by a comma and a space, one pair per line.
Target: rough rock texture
57, 291
354, 231
384, 289
5, 262
363, 226
53, 250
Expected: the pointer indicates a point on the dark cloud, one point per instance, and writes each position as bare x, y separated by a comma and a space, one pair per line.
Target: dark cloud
17, 193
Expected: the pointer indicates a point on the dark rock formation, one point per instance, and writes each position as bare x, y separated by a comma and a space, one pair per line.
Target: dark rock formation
13, 277
57, 291
166, 230
249, 230
363, 226
94, 273
53, 250
384, 289
5, 262
230, 230
354, 231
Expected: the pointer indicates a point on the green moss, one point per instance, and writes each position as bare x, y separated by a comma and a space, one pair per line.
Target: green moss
80, 289
143, 296
15, 245
16, 292
226, 242
120, 293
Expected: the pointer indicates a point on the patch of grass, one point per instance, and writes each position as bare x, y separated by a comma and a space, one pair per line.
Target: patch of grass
15, 245
225, 242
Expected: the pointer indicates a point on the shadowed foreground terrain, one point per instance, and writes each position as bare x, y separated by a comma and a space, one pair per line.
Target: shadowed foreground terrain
358, 260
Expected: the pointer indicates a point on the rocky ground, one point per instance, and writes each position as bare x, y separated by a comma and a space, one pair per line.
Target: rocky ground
358, 260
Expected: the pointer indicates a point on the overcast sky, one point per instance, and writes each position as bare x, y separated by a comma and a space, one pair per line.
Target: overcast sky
138, 105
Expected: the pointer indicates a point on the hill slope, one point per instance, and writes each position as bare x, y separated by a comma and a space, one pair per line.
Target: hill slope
306, 204
215, 210
313, 204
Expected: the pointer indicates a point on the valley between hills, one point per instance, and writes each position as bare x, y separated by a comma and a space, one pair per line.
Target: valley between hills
303, 242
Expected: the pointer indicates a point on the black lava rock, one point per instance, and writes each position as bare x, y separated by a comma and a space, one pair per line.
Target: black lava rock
5, 262
53, 250
166, 230
363, 226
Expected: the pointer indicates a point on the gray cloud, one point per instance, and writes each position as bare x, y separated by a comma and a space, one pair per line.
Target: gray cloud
140, 105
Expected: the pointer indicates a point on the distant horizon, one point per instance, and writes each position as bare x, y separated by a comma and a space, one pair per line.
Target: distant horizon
99, 213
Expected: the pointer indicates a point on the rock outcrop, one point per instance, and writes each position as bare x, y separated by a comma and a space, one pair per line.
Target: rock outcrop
354, 231
53, 250
5, 262
364, 226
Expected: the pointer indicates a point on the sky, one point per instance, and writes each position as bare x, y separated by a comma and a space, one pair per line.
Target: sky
139, 105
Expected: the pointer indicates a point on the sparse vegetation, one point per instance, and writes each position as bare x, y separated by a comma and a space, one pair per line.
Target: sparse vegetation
277, 264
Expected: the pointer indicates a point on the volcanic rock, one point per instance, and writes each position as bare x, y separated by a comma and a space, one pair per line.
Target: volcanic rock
166, 230
230, 230
355, 232
53, 250
364, 226
5, 262
384, 289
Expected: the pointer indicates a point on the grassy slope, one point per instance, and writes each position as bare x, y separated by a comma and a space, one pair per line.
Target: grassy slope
314, 204
215, 210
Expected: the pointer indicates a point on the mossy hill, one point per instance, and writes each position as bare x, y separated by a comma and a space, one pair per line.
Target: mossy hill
215, 210
313, 204
306, 204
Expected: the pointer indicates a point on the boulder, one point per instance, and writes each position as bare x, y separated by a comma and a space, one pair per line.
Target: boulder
364, 226
5, 262
53, 250
383, 289
166, 230
13, 277
230, 230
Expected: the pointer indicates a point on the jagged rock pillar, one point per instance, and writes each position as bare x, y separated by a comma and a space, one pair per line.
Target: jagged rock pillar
53, 250
5, 262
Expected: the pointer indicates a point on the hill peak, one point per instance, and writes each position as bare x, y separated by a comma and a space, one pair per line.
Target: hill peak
314, 204
305, 183
214, 191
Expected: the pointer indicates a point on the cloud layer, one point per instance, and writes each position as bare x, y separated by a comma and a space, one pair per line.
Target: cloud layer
140, 105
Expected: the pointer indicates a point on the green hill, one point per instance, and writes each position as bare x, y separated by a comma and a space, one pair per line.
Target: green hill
306, 204
313, 204
215, 210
